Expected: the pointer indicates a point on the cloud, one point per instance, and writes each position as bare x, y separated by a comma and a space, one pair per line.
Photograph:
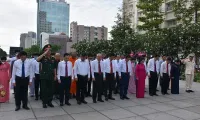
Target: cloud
19, 16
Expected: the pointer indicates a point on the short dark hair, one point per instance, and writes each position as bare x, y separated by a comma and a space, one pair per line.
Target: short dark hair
169, 59
127, 56
66, 54
111, 54
3, 58
23, 53
156, 55
140, 59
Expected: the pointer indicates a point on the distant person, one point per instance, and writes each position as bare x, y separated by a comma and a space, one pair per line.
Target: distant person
132, 85
22, 77
56, 84
175, 76
140, 73
4, 80
47, 75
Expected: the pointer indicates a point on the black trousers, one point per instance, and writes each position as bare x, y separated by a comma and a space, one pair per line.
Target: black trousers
37, 85
64, 88
124, 84
81, 87
21, 93
153, 81
165, 83
117, 83
97, 86
109, 85
89, 82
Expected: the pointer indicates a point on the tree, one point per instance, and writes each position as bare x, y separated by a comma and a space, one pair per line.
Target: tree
186, 11
33, 49
152, 16
2, 53
55, 48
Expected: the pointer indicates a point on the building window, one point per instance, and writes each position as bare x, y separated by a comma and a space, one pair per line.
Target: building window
169, 7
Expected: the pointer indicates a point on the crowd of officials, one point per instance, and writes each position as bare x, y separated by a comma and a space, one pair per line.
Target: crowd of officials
49, 77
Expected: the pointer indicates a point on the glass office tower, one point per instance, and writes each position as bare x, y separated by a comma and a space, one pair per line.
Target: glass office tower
52, 16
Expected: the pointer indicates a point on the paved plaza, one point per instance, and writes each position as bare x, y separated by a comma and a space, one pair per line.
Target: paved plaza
185, 106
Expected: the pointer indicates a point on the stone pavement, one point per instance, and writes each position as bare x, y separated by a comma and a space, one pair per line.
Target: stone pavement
185, 106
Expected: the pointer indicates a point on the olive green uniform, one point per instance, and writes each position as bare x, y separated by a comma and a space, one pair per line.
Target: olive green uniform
47, 67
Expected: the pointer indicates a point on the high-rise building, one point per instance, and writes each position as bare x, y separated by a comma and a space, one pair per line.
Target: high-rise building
28, 39
131, 11
52, 16
60, 39
90, 33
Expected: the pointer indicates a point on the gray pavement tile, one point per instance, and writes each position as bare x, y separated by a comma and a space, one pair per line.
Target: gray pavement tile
118, 113
176, 97
19, 115
124, 103
7, 107
103, 106
162, 107
41, 112
180, 104
195, 109
161, 116
141, 110
89, 116
38, 104
161, 98
193, 101
77, 109
184, 114
144, 101
134, 118
59, 117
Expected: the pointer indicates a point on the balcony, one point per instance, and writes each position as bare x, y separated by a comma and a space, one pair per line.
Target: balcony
170, 16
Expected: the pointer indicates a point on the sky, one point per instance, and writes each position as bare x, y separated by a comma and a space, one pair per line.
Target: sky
20, 16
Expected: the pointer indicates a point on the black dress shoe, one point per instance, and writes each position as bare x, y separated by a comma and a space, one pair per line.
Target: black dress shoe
84, 102
36, 99
100, 100
111, 98
122, 98
156, 94
17, 108
125, 97
78, 102
106, 99
44, 106
50, 105
94, 101
67, 103
187, 91
61, 104
151, 94
26, 108
191, 90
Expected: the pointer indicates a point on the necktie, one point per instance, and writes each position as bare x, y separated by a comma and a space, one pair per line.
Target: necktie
66, 70
90, 68
154, 66
126, 67
167, 69
99, 67
111, 67
23, 70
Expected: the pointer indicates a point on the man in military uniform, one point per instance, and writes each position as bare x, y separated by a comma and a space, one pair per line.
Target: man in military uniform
47, 75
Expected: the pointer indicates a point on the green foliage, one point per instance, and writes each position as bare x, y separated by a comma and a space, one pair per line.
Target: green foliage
2, 53
151, 16
37, 49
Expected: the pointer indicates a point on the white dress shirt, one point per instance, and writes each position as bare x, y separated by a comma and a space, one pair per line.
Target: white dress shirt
117, 65
81, 68
17, 69
61, 71
36, 66
107, 66
150, 66
163, 68
123, 67
95, 67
